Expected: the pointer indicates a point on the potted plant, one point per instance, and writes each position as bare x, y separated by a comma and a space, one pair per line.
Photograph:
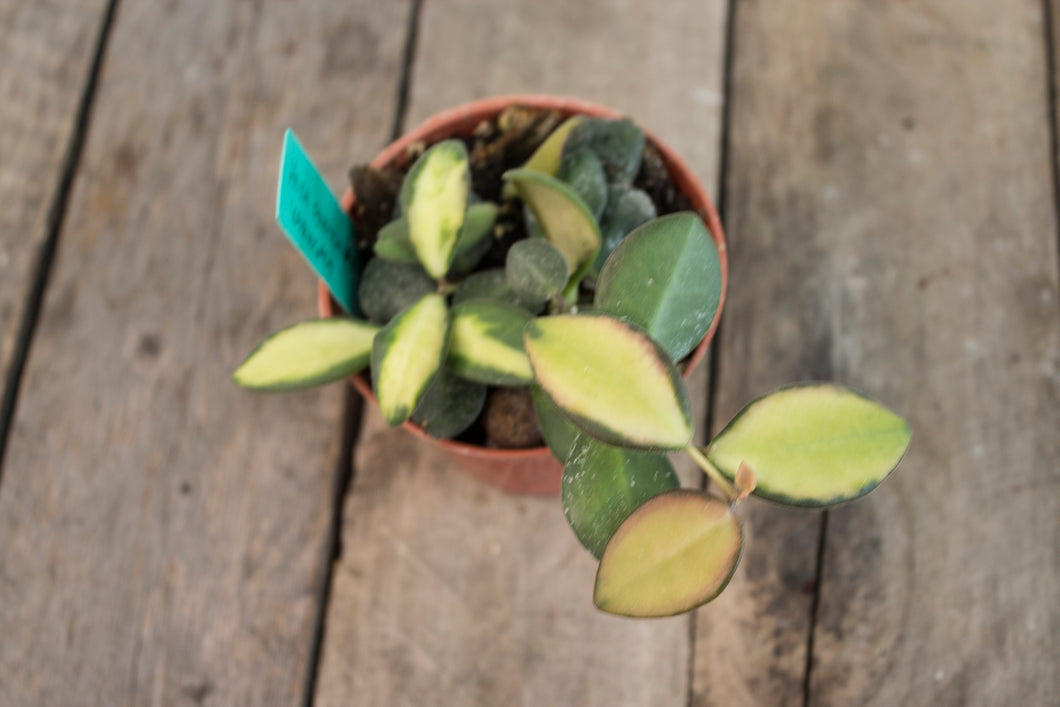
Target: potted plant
514, 251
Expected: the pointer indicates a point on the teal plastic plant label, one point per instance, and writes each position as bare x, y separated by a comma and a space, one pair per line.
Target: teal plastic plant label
315, 223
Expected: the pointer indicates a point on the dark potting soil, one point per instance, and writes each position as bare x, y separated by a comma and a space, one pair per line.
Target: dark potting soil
494, 147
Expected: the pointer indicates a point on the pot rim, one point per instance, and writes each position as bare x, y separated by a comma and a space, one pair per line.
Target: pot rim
461, 120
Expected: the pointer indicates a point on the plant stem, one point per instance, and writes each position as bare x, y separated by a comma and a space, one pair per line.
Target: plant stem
712, 471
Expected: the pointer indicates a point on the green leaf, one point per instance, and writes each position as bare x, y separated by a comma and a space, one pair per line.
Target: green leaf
565, 219
475, 240
582, 171
602, 485
406, 356
677, 551
533, 228
535, 269
393, 242
387, 288
492, 284
619, 144
478, 222
611, 380
626, 209
307, 354
486, 344
559, 432
815, 444
665, 278
450, 405
434, 200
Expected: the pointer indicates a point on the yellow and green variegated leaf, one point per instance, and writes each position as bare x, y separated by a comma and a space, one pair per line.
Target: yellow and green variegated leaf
664, 277
816, 444
434, 202
486, 343
564, 218
406, 356
603, 484
547, 157
611, 380
677, 551
307, 354
549, 154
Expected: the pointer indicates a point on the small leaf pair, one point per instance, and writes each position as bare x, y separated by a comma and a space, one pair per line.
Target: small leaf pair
480, 341
405, 355
815, 444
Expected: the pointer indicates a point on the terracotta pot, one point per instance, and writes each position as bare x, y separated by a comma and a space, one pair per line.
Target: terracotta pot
528, 471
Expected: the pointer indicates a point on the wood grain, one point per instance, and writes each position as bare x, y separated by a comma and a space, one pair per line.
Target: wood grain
892, 214
46, 51
161, 531
449, 592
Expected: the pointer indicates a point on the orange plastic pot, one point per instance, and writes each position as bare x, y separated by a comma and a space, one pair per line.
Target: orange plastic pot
528, 471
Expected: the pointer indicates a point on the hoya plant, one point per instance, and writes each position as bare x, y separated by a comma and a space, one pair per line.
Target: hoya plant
592, 311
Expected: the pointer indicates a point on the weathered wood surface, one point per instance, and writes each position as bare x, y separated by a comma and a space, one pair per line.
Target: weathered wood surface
892, 222
52, 47
162, 533
892, 225
449, 592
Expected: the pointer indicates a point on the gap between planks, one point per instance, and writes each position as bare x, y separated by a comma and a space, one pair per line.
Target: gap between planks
715, 365
1052, 106
353, 412
713, 362
53, 226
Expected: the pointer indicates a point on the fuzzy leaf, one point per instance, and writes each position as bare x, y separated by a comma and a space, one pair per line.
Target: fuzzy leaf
611, 380
564, 218
677, 551
626, 209
492, 284
618, 144
815, 444
307, 354
450, 405
434, 200
582, 171
393, 242
602, 485
388, 287
665, 278
535, 269
486, 344
406, 356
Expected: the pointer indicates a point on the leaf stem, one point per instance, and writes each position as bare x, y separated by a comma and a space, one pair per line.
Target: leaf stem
712, 471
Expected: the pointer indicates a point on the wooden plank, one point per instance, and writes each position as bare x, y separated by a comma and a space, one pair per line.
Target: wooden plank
892, 210
162, 532
45, 54
449, 592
